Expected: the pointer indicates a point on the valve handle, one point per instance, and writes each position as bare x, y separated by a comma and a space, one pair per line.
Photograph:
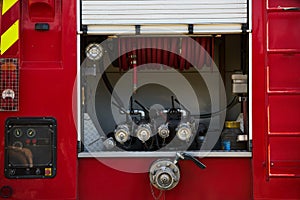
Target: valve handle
142, 106
186, 156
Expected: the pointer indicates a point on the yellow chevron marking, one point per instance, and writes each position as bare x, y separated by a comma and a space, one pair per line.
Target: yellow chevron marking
9, 37
7, 4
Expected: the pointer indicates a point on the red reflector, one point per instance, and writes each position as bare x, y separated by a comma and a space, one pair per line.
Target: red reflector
6, 192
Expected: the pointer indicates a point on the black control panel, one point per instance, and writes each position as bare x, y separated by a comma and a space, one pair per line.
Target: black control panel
30, 147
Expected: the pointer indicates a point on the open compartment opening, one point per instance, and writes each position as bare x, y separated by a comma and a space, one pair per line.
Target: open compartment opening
165, 93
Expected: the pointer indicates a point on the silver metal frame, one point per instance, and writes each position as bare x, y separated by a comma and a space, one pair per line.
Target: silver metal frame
161, 154
167, 154
250, 68
78, 78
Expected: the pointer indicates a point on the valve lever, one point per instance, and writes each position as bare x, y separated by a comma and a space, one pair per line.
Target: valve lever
186, 156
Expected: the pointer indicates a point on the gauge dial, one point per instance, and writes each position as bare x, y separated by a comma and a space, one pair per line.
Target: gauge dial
18, 133
31, 132
18, 144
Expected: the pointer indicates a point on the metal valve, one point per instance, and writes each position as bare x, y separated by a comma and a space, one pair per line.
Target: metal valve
163, 131
184, 131
164, 174
122, 133
143, 132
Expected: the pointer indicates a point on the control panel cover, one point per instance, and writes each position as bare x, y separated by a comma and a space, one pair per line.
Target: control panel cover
30, 147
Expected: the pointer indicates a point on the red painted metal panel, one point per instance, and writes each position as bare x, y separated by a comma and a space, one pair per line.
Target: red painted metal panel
259, 100
284, 156
284, 113
275, 98
224, 178
42, 10
43, 46
284, 71
10, 66
283, 30
283, 3
48, 93
285, 148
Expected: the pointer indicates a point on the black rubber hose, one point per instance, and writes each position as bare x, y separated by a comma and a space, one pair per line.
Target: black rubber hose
172, 99
229, 106
142, 106
111, 89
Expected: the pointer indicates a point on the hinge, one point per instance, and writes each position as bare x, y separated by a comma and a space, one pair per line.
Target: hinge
84, 29
244, 28
250, 145
79, 146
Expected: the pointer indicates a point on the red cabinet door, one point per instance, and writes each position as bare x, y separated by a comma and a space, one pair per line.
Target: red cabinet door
283, 88
276, 99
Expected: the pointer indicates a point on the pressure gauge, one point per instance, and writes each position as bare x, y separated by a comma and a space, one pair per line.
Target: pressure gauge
31, 132
94, 51
184, 131
143, 132
18, 133
122, 133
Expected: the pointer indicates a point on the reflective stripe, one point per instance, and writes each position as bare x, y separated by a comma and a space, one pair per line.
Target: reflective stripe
7, 4
9, 37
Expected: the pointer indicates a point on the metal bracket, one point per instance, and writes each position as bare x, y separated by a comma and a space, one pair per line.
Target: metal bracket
84, 29
191, 28
137, 29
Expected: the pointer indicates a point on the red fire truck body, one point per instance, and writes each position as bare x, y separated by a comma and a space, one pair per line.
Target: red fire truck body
43, 89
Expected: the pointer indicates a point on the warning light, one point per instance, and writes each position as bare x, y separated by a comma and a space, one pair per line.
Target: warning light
34, 141
48, 171
27, 141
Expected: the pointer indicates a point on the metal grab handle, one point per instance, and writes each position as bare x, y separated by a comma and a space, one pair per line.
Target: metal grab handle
185, 156
291, 8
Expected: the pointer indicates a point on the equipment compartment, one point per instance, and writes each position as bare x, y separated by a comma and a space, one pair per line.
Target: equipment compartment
163, 92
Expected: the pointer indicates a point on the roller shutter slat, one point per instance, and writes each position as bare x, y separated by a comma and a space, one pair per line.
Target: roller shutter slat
97, 13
